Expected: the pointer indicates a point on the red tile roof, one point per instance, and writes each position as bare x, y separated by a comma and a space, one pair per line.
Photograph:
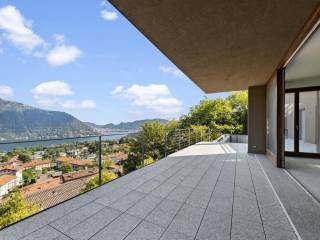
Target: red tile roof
35, 163
4, 179
74, 161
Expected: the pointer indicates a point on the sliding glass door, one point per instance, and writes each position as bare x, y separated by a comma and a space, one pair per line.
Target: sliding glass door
289, 130
309, 122
302, 122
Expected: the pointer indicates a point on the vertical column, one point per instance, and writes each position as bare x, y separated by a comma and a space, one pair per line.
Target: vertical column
257, 119
280, 117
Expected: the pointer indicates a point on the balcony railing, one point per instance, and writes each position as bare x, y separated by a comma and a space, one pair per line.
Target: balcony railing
48, 172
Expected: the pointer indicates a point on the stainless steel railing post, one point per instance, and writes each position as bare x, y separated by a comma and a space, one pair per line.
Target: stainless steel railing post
100, 162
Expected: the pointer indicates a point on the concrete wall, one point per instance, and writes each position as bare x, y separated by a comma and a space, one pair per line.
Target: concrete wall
257, 119
271, 117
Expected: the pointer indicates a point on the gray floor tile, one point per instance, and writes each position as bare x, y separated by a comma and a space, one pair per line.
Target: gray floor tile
245, 230
187, 220
127, 201
160, 178
118, 229
221, 205
214, 226
246, 209
176, 179
144, 206
266, 198
279, 234
169, 235
180, 193
113, 196
92, 225
148, 186
146, 231
164, 212
199, 198
45, 233
163, 190
275, 217
63, 237
77, 216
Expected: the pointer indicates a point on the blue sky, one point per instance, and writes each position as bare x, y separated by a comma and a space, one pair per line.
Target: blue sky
84, 58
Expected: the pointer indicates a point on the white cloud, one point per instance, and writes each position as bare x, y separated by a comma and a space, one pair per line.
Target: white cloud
85, 104
18, 30
60, 38
172, 71
52, 88
156, 97
63, 54
51, 94
117, 90
109, 15
6, 91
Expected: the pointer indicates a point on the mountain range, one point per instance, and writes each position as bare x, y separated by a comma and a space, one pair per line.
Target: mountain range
124, 126
22, 122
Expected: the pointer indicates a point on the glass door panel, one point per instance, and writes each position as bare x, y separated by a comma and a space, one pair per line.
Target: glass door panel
309, 122
289, 122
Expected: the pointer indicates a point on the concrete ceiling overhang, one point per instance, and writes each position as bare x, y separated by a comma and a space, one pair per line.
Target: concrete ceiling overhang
221, 45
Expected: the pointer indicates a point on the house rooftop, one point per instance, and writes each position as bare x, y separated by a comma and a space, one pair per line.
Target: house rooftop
79, 174
4, 179
36, 162
74, 161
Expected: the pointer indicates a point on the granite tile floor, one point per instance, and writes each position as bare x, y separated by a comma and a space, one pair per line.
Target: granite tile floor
206, 191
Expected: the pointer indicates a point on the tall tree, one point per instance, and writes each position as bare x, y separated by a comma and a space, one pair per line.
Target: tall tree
239, 104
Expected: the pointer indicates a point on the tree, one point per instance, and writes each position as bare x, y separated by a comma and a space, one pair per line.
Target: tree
24, 157
29, 176
214, 113
148, 161
221, 115
15, 207
107, 164
94, 182
93, 147
133, 162
150, 140
66, 167
5, 158
239, 104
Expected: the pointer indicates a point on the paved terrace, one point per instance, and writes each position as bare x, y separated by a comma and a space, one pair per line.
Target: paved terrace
206, 191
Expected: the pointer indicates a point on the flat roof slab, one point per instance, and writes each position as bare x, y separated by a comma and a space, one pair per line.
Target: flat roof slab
200, 196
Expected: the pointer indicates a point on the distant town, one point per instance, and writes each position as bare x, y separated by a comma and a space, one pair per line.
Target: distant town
58, 172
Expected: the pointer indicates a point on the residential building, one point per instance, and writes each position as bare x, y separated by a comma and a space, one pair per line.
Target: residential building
118, 156
37, 164
7, 182
10, 177
67, 177
77, 164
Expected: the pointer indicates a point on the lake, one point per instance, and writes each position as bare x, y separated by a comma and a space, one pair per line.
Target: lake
52, 142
